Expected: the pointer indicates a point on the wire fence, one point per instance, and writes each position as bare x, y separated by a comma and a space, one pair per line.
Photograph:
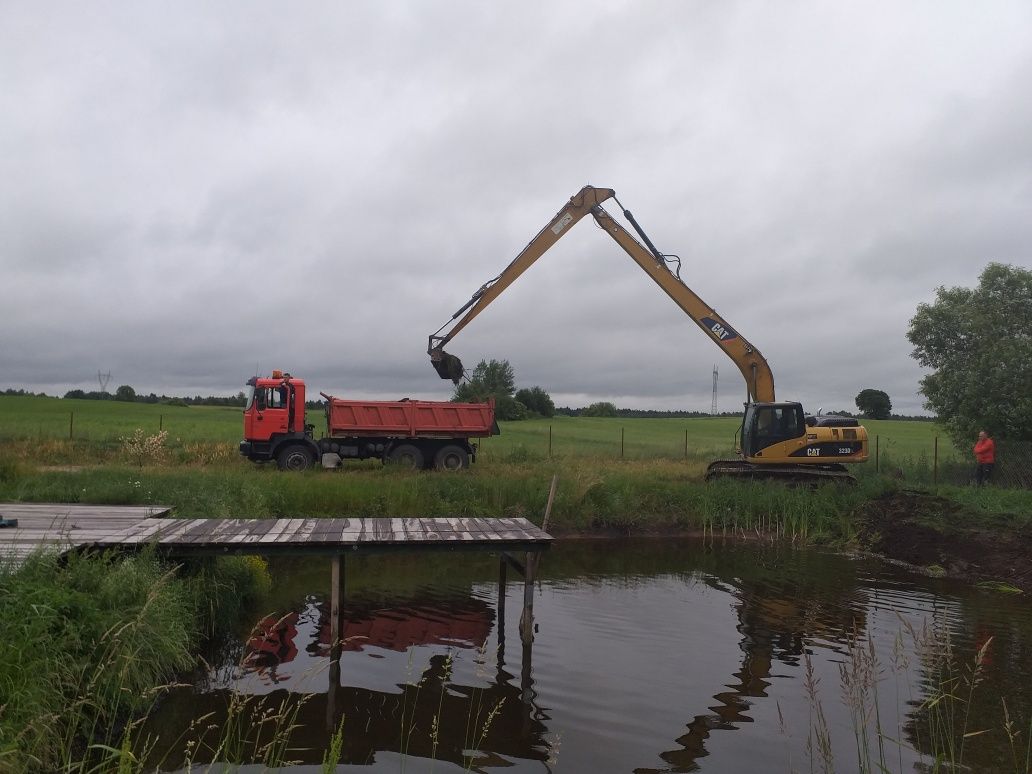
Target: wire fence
1013, 467
930, 460
924, 460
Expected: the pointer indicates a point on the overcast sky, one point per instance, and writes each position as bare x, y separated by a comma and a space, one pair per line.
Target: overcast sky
191, 190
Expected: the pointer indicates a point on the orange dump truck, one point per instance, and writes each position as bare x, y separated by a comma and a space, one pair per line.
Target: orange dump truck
416, 433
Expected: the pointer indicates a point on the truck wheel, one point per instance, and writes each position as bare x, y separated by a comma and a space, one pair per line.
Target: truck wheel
406, 455
451, 458
295, 457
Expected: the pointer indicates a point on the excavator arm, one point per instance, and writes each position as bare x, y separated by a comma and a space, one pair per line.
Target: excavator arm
450, 367
758, 377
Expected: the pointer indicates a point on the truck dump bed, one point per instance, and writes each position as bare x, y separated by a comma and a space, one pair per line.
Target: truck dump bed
409, 418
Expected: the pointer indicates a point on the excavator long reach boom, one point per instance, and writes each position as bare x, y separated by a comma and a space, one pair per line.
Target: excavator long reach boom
778, 441
758, 377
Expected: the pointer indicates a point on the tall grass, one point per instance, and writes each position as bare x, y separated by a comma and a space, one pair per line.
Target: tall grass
939, 729
638, 496
91, 641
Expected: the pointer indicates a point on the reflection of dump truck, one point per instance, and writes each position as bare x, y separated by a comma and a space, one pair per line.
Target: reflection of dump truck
415, 433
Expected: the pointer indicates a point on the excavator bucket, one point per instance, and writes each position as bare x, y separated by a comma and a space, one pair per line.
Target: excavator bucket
447, 366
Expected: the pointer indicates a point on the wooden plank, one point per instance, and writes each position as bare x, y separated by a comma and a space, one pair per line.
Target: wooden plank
304, 533
258, 528
277, 530
327, 531
507, 530
224, 532
289, 535
413, 530
143, 532
179, 527
350, 531
488, 529
381, 530
351, 526
84, 510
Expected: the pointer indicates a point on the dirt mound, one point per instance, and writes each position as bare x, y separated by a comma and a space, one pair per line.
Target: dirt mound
929, 531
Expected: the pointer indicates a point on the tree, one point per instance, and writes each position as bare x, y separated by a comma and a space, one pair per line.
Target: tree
537, 401
126, 393
978, 343
509, 409
495, 379
874, 404
601, 409
489, 379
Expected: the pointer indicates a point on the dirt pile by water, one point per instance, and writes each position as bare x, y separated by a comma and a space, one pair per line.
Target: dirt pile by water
932, 532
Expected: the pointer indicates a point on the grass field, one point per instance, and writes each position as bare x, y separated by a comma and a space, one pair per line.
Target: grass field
625, 474
24, 417
102, 423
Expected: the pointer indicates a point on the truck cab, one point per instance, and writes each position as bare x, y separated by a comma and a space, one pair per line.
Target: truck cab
274, 422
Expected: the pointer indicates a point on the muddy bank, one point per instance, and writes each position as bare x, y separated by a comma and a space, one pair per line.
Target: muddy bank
943, 536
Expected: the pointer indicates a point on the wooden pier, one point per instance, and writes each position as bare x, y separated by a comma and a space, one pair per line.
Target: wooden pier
64, 528
68, 527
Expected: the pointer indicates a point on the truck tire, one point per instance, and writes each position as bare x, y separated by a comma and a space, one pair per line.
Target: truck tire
406, 455
451, 458
295, 457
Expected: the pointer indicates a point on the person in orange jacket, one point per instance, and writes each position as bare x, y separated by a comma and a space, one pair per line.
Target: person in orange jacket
985, 456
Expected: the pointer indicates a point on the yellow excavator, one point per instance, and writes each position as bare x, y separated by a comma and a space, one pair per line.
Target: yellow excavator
778, 441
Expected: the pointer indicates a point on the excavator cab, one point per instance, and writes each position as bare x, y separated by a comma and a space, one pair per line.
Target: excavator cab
767, 424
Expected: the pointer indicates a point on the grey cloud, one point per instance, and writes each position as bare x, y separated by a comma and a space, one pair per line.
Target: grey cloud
187, 191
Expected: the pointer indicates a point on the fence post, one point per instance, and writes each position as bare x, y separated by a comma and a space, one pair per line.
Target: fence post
877, 454
71, 424
550, 441
935, 462
621, 443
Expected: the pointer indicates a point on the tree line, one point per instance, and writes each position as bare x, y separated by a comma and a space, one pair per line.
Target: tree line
127, 394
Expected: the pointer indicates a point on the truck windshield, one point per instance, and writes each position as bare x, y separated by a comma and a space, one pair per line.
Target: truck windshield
250, 397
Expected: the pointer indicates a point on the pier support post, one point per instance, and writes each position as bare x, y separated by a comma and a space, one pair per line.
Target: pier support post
527, 618
502, 570
527, 682
337, 635
530, 569
336, 604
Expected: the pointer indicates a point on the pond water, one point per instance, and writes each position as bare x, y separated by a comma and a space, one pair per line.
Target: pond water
651, 655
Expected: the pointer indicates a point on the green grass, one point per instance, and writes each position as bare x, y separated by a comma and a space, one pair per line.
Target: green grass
96, 426
631, 496
655, 485
47, 419
89, 642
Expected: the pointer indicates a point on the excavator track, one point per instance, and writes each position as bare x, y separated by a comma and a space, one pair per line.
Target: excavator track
791, 474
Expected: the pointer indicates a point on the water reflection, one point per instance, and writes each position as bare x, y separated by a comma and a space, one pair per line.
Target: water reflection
460, 623
778, 614
652, 656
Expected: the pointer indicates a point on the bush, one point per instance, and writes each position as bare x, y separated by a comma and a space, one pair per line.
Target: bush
509, 409
139, 448
537, 401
